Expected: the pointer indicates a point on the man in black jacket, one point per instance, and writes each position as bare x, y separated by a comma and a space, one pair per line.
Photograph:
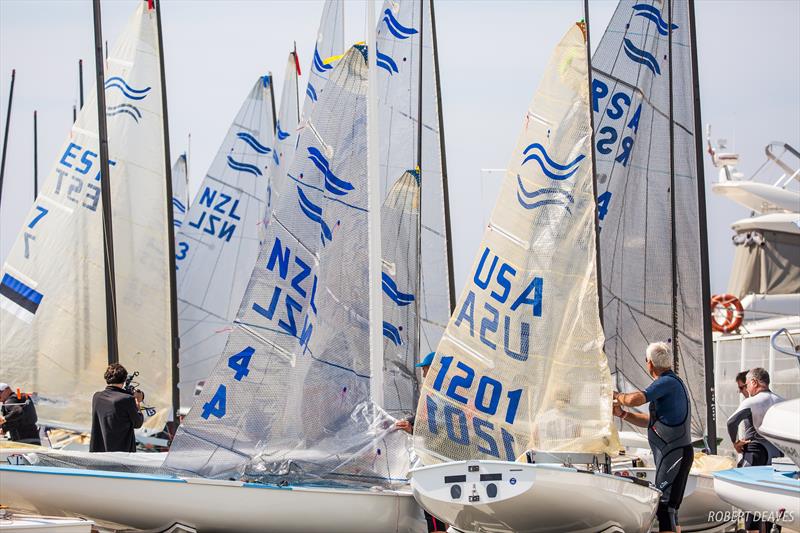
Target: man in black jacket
115, 414
18, 416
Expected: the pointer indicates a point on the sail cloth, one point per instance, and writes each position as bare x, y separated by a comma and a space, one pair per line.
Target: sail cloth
521, 364
285, 132
218, 243
328, 49
52, 298
289, 398
630, 98
415, 256
180, 190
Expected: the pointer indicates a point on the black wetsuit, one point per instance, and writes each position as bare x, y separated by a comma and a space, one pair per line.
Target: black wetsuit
21, 419
670, 438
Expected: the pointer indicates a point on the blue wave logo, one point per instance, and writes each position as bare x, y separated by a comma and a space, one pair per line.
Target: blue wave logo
386, 63
177, 223
396, 29
653, 14
281, 134
311, 92
243, 167
333, 184
116, 82
314, 213
319, 65
641, 56
544, 196
177, 204
275, 157
551, 169
390, 288
391, 333
253, 143
124, 109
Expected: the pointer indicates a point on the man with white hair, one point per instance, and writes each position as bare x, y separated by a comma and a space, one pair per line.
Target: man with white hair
755, 449
668, 426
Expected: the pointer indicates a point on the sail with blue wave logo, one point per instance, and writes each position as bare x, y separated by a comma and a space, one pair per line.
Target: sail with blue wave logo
180, 190
631, 102
415, 252
52, 299
521, 364
218, 241
328, 49
289, 398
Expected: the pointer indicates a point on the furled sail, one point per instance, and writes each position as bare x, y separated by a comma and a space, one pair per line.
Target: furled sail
218, 243
289, 399
180, 190
285, 132
328, 49
521, 364
53, 303
631, 102
416, 268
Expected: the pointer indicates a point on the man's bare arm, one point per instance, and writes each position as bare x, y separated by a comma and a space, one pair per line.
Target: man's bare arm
630, 399
637, 419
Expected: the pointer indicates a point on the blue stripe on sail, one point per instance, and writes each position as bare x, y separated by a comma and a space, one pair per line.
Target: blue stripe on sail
314, 213
117, 82
319, 65
391, 290
394, 26
243, 167
178, 205
253, 142
391, 333
641, 56
280, 133
653, 14
551, 168
311, 92
386, 62
333, 184
25, 297
329, 198
177, 223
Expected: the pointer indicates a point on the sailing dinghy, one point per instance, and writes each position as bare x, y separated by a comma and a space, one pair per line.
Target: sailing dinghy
510, 373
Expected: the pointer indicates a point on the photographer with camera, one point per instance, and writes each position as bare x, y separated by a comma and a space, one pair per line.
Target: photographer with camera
116, 413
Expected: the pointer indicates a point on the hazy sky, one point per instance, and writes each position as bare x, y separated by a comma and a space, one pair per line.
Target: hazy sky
492, 55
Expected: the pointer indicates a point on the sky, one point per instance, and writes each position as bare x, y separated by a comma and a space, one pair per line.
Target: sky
492, 55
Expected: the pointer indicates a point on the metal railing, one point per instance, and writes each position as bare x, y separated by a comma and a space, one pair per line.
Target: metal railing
773, 340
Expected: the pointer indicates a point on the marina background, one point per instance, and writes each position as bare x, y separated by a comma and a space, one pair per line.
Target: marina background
492, 55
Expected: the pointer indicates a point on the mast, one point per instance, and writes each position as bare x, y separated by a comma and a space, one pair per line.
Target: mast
80, 81
272, 101
74, 113
598, 266
673, 236
445, 189
708, 343
35, 157
5, 134
418, 336
105, 190
374, 218
173, 295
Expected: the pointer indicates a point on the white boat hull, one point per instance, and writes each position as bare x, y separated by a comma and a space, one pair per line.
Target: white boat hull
781, 425
701, 509
532, 498
43, 524
157, 502
763, 490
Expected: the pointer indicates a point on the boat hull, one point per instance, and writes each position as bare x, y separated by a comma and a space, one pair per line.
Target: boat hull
781, 425
532, 498
762, 489
701, 510
155, 502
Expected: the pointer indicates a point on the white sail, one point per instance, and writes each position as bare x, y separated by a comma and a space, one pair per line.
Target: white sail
217, 245
180, 190
289, 398
52, 293
521, 364
416, 270
328, 49
285, 131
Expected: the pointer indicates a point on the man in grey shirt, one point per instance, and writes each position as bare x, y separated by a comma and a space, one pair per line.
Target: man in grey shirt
755, 449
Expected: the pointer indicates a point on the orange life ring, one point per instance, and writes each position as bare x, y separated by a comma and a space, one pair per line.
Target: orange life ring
728, 309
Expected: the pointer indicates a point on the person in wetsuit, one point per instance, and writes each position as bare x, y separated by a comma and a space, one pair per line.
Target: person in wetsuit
755, 449
668, 424
18, 416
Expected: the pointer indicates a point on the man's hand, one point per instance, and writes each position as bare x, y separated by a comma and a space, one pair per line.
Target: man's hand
617, 410
138, 396
2, 419
405, 425
615, 394
739, 445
